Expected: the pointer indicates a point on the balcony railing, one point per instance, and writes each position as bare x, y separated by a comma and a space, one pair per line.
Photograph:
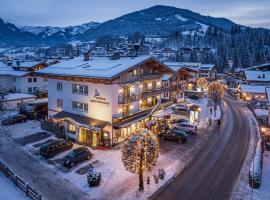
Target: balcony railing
145, 76
127, 99
154, 92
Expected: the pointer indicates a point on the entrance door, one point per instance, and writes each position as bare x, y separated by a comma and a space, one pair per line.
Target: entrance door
88, 137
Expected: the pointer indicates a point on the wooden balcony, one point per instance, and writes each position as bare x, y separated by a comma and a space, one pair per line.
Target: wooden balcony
154, 92
127, 99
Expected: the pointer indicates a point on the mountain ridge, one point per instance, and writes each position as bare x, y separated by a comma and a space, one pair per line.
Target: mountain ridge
157, 20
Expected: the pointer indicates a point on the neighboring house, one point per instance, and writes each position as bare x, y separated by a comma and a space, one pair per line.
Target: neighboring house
253, 92
104, 100
20, 77
12, 101
256, 77
178, 81
208, 71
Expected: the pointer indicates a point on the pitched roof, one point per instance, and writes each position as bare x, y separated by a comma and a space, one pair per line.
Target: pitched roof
17, 96
6, 70
96, 67
259, 76
253, 88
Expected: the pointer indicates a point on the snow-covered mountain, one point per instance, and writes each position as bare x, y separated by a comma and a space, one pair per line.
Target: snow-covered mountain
48, 31
161, 21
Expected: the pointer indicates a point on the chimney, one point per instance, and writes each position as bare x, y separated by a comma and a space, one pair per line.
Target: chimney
86, 56
115, 55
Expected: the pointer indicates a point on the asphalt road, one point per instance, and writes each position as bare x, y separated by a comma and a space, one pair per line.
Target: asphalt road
215, 169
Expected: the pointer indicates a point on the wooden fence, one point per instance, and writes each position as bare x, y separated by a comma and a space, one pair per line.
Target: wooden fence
29, 191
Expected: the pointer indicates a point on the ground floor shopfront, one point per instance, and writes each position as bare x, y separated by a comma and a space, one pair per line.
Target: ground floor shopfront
85, 130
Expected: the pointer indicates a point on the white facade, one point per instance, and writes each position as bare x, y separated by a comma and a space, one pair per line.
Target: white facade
29, 84
102, 107
6, 83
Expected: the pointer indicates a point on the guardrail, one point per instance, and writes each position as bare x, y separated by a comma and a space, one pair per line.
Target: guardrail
29, 191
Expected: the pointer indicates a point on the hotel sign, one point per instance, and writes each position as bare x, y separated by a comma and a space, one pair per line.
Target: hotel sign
97, 98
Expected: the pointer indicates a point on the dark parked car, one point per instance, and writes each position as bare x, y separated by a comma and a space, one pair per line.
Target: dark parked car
178, 121
14, 119
77, 155
51, 149
176, 135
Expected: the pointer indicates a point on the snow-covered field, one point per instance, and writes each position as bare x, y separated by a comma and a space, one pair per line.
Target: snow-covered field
24, 129
8, 191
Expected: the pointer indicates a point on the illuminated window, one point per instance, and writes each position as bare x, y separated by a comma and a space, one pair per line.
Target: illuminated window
71, 128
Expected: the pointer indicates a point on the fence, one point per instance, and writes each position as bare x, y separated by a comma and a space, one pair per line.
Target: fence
29, 191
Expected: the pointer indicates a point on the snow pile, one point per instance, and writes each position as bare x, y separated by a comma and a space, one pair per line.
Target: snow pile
261, 112
24, 129
8, 191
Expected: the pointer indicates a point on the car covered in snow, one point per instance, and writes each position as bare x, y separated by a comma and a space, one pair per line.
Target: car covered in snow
54, 147
14, 120
76, 156
93, 177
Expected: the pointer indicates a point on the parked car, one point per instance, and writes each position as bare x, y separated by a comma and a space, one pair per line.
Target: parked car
77, 155
52, 148
14, 119
175, 135
187, 127
93, 177
178, 121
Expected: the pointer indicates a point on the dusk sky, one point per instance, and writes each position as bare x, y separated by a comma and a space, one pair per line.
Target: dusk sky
254, 13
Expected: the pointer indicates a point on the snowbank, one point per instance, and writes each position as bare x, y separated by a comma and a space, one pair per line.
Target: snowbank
8, 191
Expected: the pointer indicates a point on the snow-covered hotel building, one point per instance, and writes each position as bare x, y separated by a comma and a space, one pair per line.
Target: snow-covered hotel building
19, 77
103, 100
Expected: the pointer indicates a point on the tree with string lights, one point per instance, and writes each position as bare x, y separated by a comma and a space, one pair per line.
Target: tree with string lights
216, 93
202, 83
140, 153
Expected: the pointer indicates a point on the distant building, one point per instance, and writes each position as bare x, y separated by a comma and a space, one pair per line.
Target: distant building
253, 92
19, 77
12, 101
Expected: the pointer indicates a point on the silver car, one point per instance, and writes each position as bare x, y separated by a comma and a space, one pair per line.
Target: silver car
187, 127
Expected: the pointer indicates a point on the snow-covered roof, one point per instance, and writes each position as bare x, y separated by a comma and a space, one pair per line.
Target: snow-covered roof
96, 67
253, 88
165, 77
259, 76
6, 70
175, 66
16, 96
29, 64
207, 66
189, 65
